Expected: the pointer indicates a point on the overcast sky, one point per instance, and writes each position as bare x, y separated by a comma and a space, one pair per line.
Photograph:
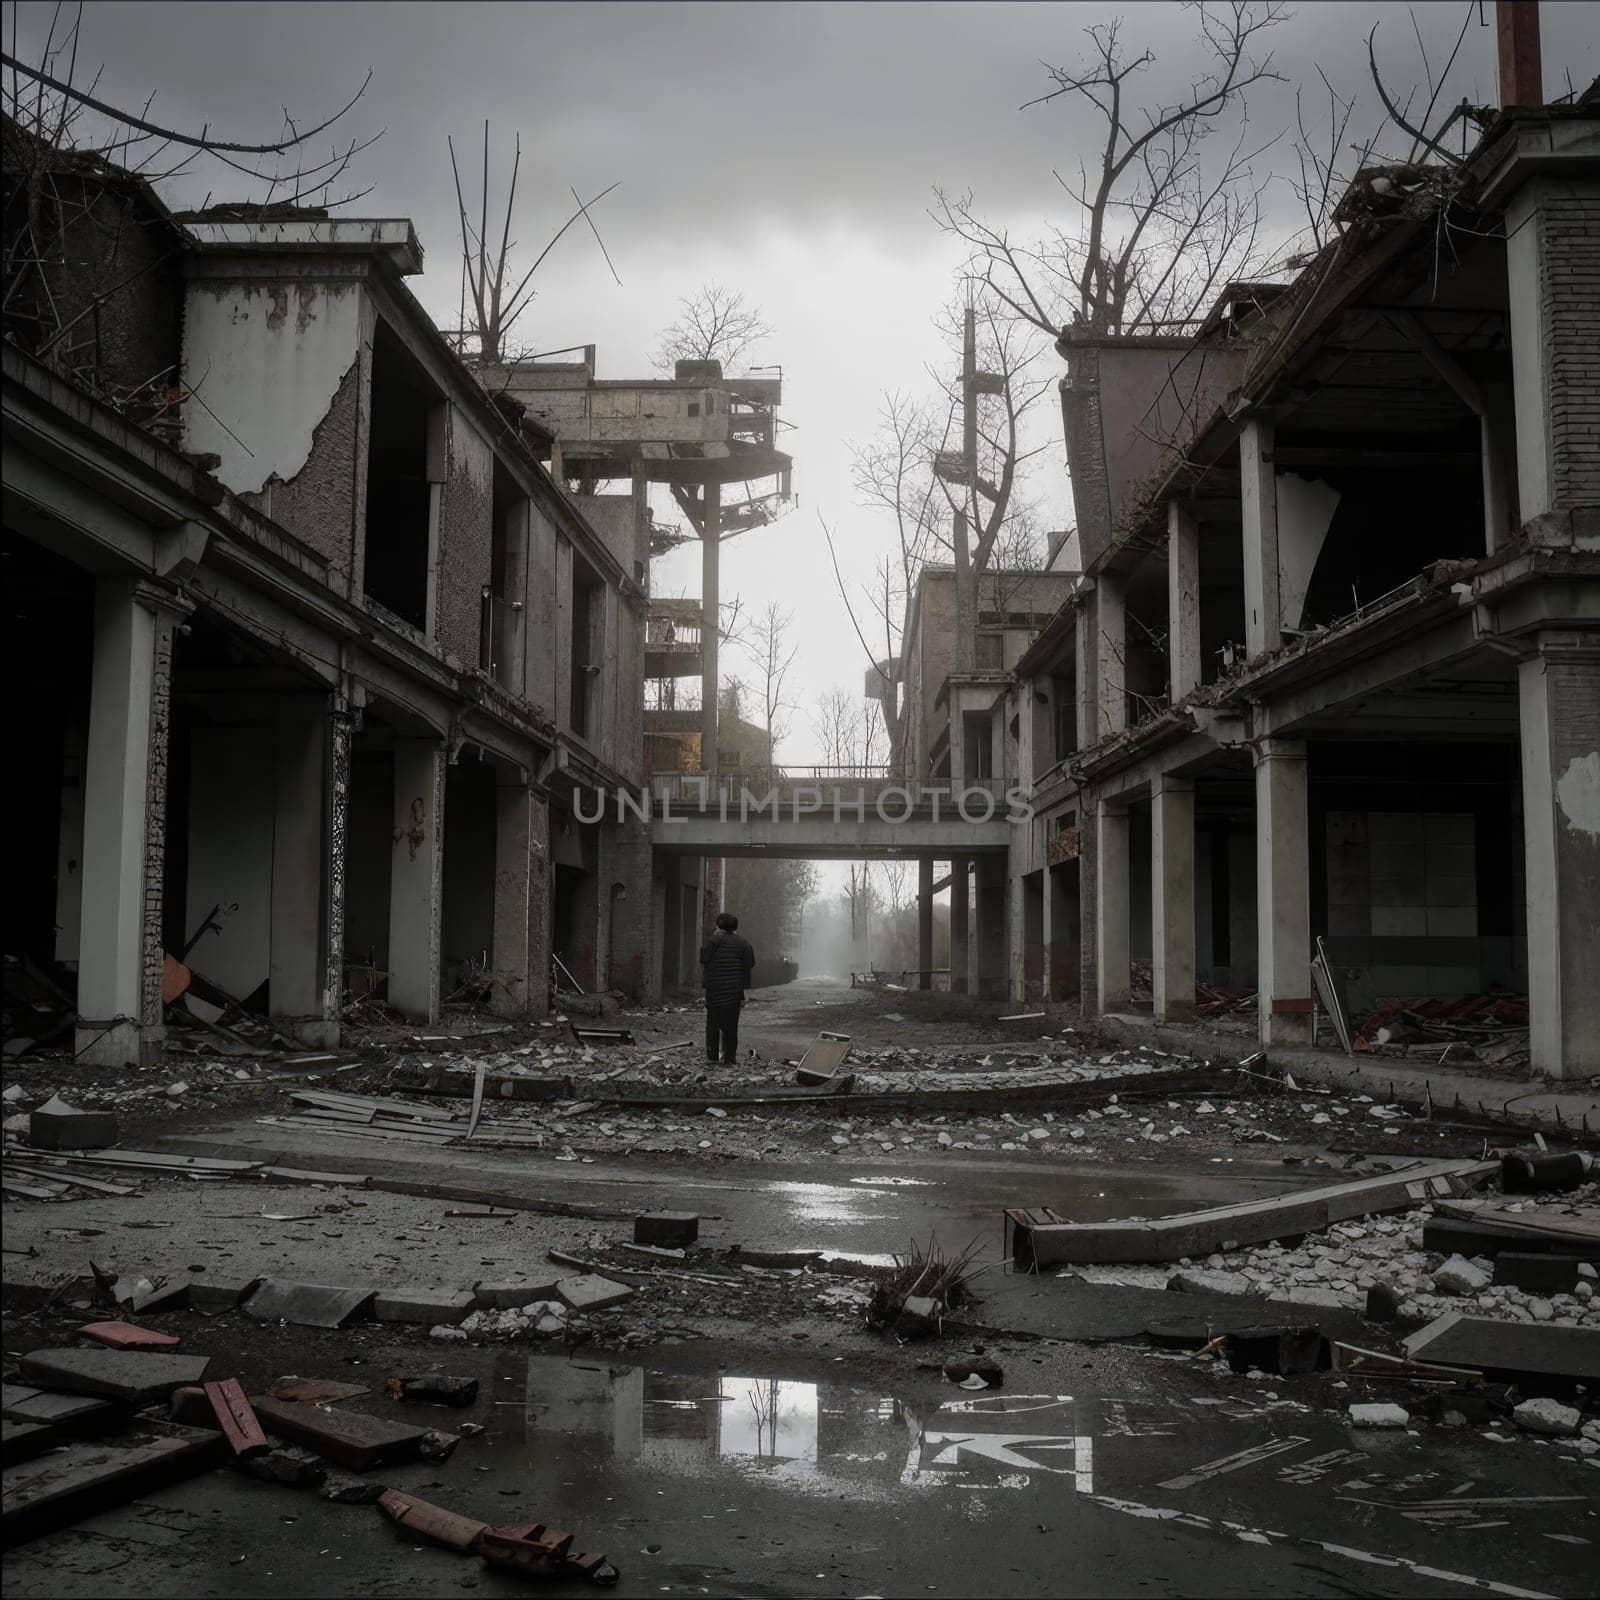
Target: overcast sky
788, 150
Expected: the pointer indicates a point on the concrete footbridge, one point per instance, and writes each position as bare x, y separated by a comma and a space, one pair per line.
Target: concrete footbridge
815, 813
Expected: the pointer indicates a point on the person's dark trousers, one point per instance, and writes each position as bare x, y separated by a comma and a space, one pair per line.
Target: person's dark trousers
722, 1023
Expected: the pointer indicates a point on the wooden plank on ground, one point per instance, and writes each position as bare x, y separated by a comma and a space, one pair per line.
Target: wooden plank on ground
1539, 1349
1200, 1233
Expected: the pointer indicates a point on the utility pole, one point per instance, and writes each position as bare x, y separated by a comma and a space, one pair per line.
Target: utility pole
710, 605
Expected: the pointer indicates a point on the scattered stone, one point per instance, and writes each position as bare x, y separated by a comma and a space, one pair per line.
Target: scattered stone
1459, 1276
1379, 1414
1548, 1418
288, 1464
345, 1489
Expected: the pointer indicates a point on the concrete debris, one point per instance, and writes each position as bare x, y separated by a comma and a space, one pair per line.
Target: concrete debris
133, 1377
350, 1438
56, 1125
288, 1465
424, 1305
310, 1305
667, 1229
1547, 1417
1458, 1276
1379, 1414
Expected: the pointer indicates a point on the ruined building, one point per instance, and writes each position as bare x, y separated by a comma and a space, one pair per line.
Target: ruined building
312, 645
1333, 667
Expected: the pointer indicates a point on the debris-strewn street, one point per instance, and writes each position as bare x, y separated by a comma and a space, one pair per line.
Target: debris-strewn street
679, 1331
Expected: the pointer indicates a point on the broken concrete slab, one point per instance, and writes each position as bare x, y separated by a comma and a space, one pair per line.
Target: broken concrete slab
351, 1438
432, 1522
1035, 1240
70, 1412
133, 1377
1486, 1236
70, 1484
1523, 1352
1537, 1273
288, 1465
506, 1292
1459, 1276
22, 1441
212, 1296
57, 1125
1547, 1417
591, 1292
425, 1306
309, 1305
126, 1336
668, 1230
1379, 1414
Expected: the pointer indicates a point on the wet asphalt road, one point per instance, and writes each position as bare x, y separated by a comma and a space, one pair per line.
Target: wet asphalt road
1104, 1472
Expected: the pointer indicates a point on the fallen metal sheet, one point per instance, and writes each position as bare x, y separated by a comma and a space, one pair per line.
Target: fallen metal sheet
333, 1100
308, 1305
1330, 990
1508, 1349
823, 1058
1035, 1243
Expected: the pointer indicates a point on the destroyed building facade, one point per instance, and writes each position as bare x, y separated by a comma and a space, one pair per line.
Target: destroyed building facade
317, 649
1335, 655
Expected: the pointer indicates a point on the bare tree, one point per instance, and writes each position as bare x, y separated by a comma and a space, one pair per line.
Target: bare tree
76, 165
488, 309
713, 324
774, 656
1156, 229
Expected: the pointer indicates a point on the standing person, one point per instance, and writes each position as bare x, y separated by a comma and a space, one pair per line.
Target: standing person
726, 962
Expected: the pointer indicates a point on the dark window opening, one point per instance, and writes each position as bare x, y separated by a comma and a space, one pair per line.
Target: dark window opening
398, 500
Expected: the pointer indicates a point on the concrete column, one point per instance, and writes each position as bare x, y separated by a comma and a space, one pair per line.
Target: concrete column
1113, 975
520, 865
1258, 502
959, 912
925, 923
1183, 600
1172, 897
1559, 690
1111, 641
1283, 892
992, 940
119, 1014
626, 888
297, 990
416, 876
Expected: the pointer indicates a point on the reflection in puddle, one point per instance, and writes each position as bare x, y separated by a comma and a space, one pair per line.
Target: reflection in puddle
807, 1436
828, 1202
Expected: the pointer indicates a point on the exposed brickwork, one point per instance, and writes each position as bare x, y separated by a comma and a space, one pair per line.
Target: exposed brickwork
336, 829
1569, 289
318, 504
625, 850
155, 821
466, 542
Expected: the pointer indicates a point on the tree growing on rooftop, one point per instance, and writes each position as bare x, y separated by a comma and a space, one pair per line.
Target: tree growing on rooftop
713, 324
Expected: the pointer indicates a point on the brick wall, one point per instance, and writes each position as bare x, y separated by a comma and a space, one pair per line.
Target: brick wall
466, 541
1569, 289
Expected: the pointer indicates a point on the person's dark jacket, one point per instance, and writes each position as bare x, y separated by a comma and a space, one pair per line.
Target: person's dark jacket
726, 962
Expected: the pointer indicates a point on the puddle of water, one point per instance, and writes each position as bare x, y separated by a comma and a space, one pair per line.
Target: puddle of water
818, 1438
896, 1183
830, 1202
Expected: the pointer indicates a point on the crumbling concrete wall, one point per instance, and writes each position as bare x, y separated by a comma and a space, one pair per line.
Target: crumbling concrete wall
322, 502
466, 540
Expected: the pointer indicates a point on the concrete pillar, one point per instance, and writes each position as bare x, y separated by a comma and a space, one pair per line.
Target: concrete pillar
925, 923
1283, 892
521, 902
1172, 897
992, 941
416, 876
125, 765
1183, 600
1113, 975
626, 856
959, 913
1559, 690
1258, 502
297, 989
1111, 641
